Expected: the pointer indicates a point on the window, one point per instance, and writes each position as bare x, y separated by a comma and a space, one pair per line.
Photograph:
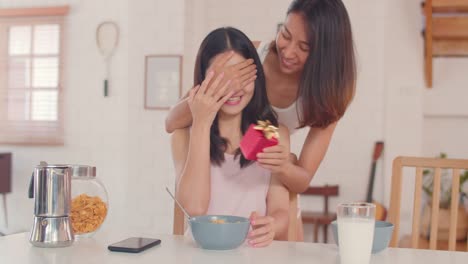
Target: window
31, 67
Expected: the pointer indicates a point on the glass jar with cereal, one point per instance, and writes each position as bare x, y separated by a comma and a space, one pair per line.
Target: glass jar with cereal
89, 201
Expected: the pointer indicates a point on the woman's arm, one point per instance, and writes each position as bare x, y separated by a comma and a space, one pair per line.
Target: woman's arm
298, 176
278, 207
192, 166
191, 149
275, 224
179, 116
278, 194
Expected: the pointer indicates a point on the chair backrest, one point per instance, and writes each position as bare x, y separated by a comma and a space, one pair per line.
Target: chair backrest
292, 226
178, 227
395, 200
325, 191
179, 219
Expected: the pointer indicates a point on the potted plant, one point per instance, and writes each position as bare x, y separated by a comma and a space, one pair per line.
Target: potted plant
444, 204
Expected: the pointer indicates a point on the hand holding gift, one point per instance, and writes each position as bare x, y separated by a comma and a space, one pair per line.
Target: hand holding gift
261, 143
258, 137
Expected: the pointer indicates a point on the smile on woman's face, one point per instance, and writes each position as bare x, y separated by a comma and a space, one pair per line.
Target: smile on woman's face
292, 44
239, 100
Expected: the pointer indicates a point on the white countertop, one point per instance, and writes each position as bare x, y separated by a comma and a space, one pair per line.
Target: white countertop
178, 249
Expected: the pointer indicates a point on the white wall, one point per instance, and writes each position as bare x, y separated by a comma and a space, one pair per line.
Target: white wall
96, 130
445, 109
156, 27
403, 82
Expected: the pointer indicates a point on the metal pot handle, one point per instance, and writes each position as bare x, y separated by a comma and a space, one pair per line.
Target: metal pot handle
31, 182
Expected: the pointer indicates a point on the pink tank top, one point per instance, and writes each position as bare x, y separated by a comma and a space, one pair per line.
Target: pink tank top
238, 191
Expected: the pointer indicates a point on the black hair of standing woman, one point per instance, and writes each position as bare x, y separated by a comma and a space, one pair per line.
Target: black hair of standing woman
328, 81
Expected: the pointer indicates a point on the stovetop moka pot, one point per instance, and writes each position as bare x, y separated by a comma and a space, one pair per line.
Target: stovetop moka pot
51, 190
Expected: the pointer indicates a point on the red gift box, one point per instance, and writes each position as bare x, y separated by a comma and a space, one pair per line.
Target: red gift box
254, 141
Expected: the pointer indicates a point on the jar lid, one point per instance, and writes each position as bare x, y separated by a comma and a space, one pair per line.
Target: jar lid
83, 171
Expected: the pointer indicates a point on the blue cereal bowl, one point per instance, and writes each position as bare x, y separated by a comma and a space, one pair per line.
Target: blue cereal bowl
382, 235
219, 232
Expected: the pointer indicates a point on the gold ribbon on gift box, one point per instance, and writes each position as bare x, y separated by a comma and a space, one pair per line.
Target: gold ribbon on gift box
269, 130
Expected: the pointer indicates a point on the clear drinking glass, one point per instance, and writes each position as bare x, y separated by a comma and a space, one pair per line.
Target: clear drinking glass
356, 223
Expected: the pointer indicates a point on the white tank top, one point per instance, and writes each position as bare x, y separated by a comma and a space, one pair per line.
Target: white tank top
288, 116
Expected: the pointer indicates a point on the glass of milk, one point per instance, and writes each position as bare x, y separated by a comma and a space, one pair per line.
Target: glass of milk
356, 223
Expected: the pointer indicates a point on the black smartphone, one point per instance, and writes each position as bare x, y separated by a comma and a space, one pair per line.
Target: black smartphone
134, 244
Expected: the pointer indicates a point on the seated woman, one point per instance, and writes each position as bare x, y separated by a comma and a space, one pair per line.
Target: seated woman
213, 177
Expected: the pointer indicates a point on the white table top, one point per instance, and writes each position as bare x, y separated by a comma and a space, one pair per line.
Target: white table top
178, 249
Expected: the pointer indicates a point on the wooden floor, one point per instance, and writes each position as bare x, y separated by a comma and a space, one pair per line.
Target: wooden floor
405, 242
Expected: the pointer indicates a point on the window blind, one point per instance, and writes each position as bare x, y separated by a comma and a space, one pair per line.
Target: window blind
31, 78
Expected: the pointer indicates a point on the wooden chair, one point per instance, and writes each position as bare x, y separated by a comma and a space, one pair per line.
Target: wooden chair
292, 226
324, 218
179, 219
395, 200
178, 226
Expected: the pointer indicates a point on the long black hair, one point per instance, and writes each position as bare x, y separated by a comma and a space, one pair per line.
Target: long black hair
218, 41
328, 81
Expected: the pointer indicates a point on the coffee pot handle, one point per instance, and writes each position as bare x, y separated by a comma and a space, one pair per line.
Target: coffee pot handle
31, 187
31, 183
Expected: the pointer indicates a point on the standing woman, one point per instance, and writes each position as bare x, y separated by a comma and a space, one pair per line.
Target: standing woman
310, 75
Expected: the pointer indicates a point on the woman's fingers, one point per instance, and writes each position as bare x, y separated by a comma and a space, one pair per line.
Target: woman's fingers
243, 71
263, 244
193, 92
213, 86
274, 162
247, 76
268, 167
261, 237
258, 221
275, 152
250, 80
204, 84
221, 91
253, 216
224, 99
260, 231
247, 72
273, 149
272, 155
241, 65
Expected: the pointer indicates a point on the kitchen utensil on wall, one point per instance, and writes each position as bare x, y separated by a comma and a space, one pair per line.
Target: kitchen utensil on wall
107, 39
